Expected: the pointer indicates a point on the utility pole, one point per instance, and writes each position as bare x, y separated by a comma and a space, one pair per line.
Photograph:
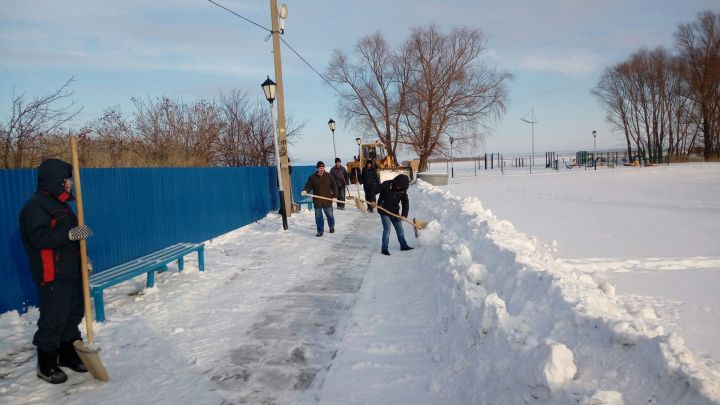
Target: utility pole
532, 122
282, 134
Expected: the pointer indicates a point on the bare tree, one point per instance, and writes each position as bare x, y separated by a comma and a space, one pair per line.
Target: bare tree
699, 46
611, 92
452, 93
432, 87
112, 143
643, 99
246, 137
177, 134
30, 122
373, 88
231, 143
161, 132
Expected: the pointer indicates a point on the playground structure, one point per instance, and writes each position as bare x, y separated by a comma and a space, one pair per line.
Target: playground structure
554, 162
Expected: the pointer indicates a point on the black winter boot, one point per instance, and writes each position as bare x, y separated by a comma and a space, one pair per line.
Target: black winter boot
47, 367
70, 359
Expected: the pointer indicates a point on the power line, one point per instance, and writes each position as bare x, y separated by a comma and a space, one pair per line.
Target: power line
284, 42
246, 19
310, 66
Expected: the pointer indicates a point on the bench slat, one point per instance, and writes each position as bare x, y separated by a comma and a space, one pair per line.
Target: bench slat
157, 259
108, 278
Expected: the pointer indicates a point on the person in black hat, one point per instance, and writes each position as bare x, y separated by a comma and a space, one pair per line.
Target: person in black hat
50, 235
342, 179
322, 184
371, 182
393, 194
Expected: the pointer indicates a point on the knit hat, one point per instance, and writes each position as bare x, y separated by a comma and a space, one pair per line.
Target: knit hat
320, 164
337, 160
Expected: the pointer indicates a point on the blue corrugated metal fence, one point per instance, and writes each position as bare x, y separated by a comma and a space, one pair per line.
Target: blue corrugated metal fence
136, 211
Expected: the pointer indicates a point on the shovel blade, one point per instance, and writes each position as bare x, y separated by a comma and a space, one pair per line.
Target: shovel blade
419, 224
91, 359
361, 205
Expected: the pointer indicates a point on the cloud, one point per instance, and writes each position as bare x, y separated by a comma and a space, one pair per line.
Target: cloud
573, 64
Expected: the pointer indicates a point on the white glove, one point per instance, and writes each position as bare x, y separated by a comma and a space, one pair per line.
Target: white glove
80, 232
303, 193
89, 265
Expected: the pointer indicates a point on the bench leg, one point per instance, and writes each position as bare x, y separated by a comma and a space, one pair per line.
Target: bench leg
181, 263
201, 258
99, 305
151, 279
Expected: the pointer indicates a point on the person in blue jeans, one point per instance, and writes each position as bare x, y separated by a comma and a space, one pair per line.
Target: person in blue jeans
323, 185
393, 195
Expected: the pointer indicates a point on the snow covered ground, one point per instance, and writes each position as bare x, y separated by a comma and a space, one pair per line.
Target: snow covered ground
653, 232
561, 288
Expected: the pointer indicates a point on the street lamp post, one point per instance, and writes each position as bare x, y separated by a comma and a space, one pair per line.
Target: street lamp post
361, 166
331, 125
269, 88
452, 166
595, 149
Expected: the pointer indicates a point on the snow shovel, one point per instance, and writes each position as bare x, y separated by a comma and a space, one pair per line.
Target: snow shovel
89, 354
359, 203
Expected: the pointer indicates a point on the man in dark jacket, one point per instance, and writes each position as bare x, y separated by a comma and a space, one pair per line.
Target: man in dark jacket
393, 194
322, 184
340, 175
50, 234
371, 181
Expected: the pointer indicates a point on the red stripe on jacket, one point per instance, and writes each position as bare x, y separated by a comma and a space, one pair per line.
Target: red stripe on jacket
48, 265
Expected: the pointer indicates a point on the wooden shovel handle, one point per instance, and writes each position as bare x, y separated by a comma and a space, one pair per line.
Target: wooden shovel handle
325, 198
83, 244
371, 203
395, 215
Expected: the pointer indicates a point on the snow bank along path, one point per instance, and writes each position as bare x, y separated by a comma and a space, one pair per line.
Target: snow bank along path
530, 328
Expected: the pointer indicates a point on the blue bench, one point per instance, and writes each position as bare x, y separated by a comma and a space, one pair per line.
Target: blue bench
307, 201
148, 264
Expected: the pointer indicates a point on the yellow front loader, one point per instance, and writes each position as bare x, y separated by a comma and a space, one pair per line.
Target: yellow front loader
383, 163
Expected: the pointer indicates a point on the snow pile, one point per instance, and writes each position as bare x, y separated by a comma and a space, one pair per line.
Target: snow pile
530, 328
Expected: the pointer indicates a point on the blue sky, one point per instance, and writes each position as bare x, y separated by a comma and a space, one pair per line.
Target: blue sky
556, 50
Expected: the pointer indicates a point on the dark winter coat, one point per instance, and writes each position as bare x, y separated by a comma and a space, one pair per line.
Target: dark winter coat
391, 197
323, 186
370, 177
340, 175
45, 222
